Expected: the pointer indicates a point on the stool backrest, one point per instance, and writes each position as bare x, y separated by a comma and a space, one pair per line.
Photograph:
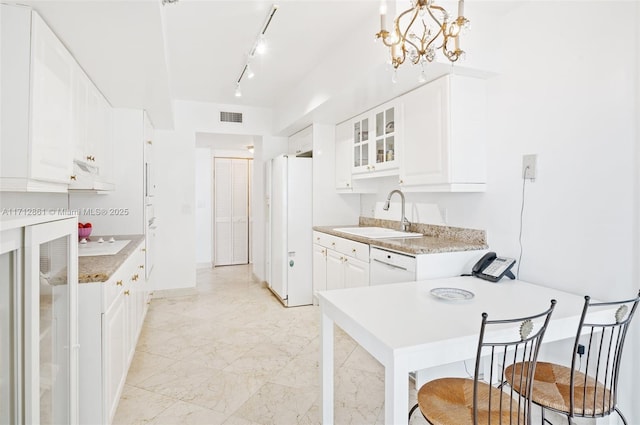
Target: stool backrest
500, 346
598, 348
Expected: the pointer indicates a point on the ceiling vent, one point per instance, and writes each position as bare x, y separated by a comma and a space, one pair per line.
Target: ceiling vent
230, 116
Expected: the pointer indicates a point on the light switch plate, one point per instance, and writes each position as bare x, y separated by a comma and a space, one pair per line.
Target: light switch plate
530, 162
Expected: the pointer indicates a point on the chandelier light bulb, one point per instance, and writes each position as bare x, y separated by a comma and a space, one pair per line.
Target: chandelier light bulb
422, 78
250, 73
261, 47
238, 92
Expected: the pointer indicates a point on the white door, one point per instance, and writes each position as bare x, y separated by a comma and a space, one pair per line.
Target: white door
240, 211
231, 183
278, 219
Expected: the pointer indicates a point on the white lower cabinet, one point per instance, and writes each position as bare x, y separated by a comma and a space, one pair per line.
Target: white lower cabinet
335, 270
343, 263
110, 315
38, 322
114, 353
356, 272
339, 263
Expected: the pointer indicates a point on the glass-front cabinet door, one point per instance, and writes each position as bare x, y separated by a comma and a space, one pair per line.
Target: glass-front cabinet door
375, 139
361, 145
10, 324
385, 137
38, 322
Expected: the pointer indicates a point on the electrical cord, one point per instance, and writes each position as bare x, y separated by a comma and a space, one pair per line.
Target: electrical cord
524, 183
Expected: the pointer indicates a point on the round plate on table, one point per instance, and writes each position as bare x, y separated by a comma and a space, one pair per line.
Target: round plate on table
452, 294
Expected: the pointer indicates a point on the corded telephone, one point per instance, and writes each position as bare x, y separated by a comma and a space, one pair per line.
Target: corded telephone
491, 267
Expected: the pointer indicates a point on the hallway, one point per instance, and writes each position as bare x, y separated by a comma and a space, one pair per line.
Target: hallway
228, 353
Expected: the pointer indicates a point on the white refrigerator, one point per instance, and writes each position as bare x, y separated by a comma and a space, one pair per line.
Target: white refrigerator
289, 201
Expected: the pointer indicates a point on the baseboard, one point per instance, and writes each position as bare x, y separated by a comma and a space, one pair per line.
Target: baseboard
207, 265
172, 293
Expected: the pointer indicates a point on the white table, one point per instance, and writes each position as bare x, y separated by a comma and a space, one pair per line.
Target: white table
407, 329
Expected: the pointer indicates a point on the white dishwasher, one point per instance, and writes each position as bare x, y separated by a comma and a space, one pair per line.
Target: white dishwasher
391, 267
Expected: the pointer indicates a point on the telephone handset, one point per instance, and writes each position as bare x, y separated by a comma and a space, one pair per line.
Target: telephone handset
492, 268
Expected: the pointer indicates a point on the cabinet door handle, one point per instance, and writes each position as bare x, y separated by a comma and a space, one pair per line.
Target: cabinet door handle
353, 250
126, 292
134, 277
347, 184
141, 266
143, 249
119, 283
73, 177
333, 244
149, 142
401, 181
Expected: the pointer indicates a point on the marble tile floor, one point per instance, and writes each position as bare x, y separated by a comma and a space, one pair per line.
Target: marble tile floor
227, 352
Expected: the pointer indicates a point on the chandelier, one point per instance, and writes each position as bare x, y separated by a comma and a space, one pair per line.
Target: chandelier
421, 30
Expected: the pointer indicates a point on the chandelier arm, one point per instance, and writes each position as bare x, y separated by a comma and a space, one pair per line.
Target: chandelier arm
404, 36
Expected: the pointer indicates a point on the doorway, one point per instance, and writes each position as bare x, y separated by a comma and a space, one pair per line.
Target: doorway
232, 180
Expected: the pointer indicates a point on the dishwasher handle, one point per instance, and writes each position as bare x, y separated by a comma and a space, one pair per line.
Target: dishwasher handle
390, 265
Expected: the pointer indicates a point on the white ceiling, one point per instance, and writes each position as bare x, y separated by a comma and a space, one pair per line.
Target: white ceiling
144, 55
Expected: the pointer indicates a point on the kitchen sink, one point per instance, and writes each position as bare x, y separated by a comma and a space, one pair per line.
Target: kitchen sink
377, 232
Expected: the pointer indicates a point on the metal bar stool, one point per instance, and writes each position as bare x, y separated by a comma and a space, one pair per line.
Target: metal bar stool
586, 389
459, 401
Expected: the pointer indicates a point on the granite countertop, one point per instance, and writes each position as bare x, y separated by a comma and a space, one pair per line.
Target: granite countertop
436, 239
99, 268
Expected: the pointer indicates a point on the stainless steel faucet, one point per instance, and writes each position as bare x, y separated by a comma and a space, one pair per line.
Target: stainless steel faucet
403, 219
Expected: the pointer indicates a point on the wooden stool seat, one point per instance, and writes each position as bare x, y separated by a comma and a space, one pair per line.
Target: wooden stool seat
449, 401
551, 388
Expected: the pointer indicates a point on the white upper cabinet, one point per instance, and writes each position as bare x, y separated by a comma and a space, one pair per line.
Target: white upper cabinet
301, 143
92, 136
36, 104
47, 117
444, 136
374, 138
343, 157
52, 71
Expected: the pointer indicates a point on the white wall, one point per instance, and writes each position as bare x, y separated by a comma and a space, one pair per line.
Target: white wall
175, 259
265, 149
205, 117
204, 202
559, 96
128, 177
47, 201
329, 207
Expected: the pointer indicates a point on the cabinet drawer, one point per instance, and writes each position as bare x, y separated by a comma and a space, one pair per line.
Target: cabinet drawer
124, 277
321, 239
351, 248
112, 288
344, 246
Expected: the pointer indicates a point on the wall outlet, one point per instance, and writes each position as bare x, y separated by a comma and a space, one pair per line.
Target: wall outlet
529, 166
